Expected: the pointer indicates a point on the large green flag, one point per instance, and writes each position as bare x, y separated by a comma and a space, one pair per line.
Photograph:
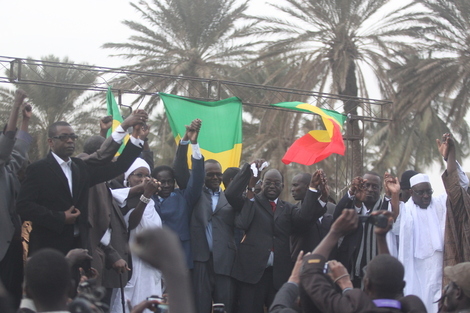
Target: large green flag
113, 110
220, 137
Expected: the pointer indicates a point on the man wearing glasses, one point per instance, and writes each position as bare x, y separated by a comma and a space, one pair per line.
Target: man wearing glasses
421, 227
263, 262
54, 195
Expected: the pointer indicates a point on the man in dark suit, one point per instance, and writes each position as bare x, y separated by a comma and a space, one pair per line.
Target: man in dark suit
263, 262
54, 195
175, 205
212, 243
307, 239
359, 247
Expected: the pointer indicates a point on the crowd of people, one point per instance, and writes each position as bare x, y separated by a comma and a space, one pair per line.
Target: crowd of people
96, 233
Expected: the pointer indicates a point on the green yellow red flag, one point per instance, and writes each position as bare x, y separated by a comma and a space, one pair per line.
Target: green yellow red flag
220, 137
113, 110
316, 145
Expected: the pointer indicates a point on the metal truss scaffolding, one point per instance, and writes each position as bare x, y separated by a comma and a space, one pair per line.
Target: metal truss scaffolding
371, 110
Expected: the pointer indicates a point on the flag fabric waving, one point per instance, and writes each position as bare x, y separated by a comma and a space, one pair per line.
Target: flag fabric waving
221, 131
316, 145
114, 111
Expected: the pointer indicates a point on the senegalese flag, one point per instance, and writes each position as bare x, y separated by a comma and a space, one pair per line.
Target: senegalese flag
220, 137
113, 110
316, 145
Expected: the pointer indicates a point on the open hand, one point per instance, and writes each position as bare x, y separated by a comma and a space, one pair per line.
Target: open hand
346, 222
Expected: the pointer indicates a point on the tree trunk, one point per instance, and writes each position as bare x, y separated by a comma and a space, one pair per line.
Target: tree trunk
353, 129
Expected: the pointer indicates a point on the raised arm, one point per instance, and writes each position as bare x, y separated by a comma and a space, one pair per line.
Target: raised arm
7, 139
311, 209
150, 188
353, 198
180, 163
111, 145
392, 188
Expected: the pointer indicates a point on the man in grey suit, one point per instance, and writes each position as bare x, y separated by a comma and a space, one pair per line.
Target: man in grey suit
212, 243
14, 146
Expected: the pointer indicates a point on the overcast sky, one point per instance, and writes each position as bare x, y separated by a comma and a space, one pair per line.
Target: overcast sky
77, 29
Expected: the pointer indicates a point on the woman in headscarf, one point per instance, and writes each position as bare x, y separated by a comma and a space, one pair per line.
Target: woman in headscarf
140, 215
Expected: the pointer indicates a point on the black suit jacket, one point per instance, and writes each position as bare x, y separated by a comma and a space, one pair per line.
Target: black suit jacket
223, 224
265, 231
45, 195
348, 249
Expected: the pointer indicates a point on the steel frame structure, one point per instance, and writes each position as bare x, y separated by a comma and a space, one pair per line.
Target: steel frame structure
371, 110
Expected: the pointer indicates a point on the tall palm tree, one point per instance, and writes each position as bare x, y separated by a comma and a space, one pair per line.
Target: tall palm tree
51, 104
433, 88
198, 38
338, 40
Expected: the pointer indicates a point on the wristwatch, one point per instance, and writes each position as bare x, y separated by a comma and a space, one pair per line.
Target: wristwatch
144, 199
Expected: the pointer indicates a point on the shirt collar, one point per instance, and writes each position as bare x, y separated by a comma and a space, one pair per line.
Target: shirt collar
60, 160
213, 193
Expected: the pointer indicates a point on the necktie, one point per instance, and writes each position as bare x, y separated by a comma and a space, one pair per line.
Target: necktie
273, 205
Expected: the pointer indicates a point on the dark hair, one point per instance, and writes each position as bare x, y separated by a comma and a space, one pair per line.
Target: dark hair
229, 174
386, 274
163, 168
52, 129
48, 277
306, 177
373, 173
92, 144
212, 161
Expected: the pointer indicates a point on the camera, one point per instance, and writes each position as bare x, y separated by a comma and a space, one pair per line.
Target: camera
161, 306
218, 308
380, 220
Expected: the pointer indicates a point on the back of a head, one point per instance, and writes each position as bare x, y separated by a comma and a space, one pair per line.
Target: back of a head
386, 274
229, 174
92, 144
48, 278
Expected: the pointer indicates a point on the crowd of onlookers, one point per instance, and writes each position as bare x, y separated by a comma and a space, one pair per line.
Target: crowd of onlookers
99, 233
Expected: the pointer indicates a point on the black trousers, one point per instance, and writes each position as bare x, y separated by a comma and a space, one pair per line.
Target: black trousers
254, 297
210, 287
11, 270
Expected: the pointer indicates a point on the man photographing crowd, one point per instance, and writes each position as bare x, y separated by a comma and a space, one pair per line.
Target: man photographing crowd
383, 279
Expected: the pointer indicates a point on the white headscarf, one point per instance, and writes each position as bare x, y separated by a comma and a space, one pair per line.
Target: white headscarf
139, 162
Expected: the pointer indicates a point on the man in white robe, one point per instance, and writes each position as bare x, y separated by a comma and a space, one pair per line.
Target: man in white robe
420, 226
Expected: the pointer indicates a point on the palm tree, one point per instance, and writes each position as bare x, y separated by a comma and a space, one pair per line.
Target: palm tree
196, 38
338, 41
51, 104
433, 88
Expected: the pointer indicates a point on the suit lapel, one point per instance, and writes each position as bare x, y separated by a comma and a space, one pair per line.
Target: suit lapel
57, 170
265, 203
221, 203
280, 206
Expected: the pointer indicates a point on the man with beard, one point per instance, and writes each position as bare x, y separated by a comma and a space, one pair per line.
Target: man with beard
359, 247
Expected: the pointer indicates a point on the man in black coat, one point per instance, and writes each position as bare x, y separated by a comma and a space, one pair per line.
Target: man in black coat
263, 261
54, 195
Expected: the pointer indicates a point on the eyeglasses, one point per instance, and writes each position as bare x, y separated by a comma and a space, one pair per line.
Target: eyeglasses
422, 192
66, 137
140, 175
272, 183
